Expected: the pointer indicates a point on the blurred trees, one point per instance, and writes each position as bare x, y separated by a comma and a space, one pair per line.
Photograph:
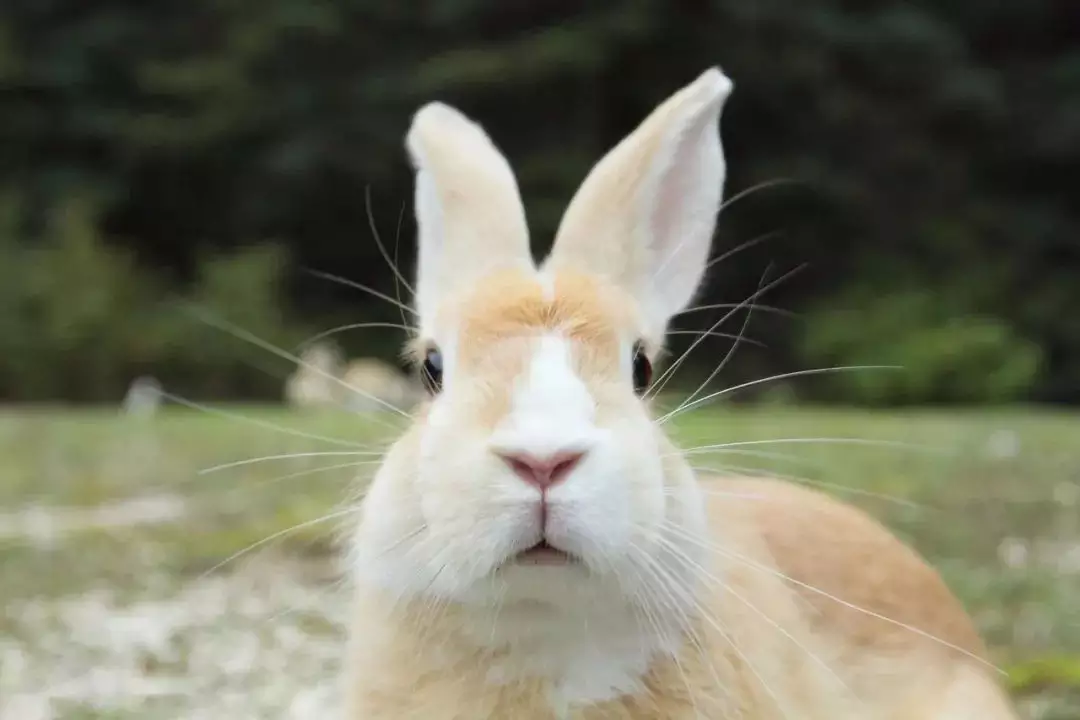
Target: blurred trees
932, 145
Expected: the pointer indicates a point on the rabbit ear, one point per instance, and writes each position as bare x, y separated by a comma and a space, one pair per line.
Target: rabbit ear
646, 213
468, 210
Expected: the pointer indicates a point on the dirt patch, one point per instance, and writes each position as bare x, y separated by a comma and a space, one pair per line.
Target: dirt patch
262, 643
46, 525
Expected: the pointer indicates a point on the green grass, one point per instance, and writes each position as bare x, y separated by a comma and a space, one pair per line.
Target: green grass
936, 481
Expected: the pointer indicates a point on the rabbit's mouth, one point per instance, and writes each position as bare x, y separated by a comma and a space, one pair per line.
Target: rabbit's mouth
544, 553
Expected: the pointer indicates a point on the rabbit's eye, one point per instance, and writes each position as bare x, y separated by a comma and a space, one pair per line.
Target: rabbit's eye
432, 370
642, 369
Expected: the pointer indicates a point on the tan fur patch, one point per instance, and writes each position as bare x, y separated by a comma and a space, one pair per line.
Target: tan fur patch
500, 319
513, 304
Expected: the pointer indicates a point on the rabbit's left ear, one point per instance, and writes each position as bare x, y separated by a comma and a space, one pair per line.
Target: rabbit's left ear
468, 210
645, 215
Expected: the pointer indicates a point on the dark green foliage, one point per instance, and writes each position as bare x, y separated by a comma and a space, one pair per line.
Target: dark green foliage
941, 350
935, 145
81, 319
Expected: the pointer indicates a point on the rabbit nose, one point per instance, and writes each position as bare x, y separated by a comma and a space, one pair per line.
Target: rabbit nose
542, 471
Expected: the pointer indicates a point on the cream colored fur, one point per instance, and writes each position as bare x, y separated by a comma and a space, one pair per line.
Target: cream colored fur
684, 597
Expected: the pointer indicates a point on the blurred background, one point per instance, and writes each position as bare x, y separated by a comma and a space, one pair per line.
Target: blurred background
176, 179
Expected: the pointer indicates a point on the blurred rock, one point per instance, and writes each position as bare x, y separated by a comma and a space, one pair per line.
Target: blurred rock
316, 382
143, 397
377, 384
368, 384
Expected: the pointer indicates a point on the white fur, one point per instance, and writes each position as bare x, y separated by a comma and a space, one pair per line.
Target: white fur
470, 219
598, 652
551, 409
645, 214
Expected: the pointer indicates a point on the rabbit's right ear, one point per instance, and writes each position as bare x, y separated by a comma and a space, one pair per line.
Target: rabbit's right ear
644, 216
469, 213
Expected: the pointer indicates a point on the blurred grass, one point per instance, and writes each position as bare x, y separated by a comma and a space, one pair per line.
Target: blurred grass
992, 498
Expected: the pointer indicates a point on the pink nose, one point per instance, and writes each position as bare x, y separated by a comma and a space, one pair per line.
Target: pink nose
543, 472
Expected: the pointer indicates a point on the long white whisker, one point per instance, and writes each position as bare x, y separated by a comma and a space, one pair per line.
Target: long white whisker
716, 333
743, 246
397, 244
727, 306
755, 188
731, 554
707, 617
313, 471
363, 288
783, 457
802, 440
724, 206
256, 422
774, 378
351, 326
671, 586
378, 241
278, 534
681, 555
647, 600
659, 384
266, 458
246, 336
757, 472
727, 357
718, 493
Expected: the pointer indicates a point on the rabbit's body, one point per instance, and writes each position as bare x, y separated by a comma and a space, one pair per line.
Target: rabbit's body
879, 637
535, 547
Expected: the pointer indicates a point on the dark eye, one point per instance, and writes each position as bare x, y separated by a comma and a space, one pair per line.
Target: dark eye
431, 372
642, 369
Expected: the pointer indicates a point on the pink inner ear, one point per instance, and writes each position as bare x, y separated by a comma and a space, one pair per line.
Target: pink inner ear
683, 218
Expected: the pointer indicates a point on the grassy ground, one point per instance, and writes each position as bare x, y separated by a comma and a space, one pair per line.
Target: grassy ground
117, 605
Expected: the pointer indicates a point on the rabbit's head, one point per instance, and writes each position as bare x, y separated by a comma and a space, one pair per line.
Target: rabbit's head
535, 474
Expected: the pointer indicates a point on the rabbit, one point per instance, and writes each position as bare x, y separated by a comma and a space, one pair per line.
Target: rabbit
534, 546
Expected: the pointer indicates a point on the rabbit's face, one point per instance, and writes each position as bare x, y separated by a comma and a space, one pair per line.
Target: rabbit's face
536, 466
535, 473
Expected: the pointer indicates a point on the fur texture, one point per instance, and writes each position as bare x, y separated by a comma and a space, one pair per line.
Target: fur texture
664, 595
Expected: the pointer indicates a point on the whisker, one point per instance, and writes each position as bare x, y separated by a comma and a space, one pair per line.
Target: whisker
690, 562
311, 471
647, 599
256, 422
278, 534
724, 206
289, 456
352, 326
246, 336
659, 383
774, 378
731, 554
707, 617
727, 306
671, 586
765, 455
743, 246
360, 286
757, 472
397, 244
672, 492
378, 241
755, 188
727, 357
716, 333
822, 441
